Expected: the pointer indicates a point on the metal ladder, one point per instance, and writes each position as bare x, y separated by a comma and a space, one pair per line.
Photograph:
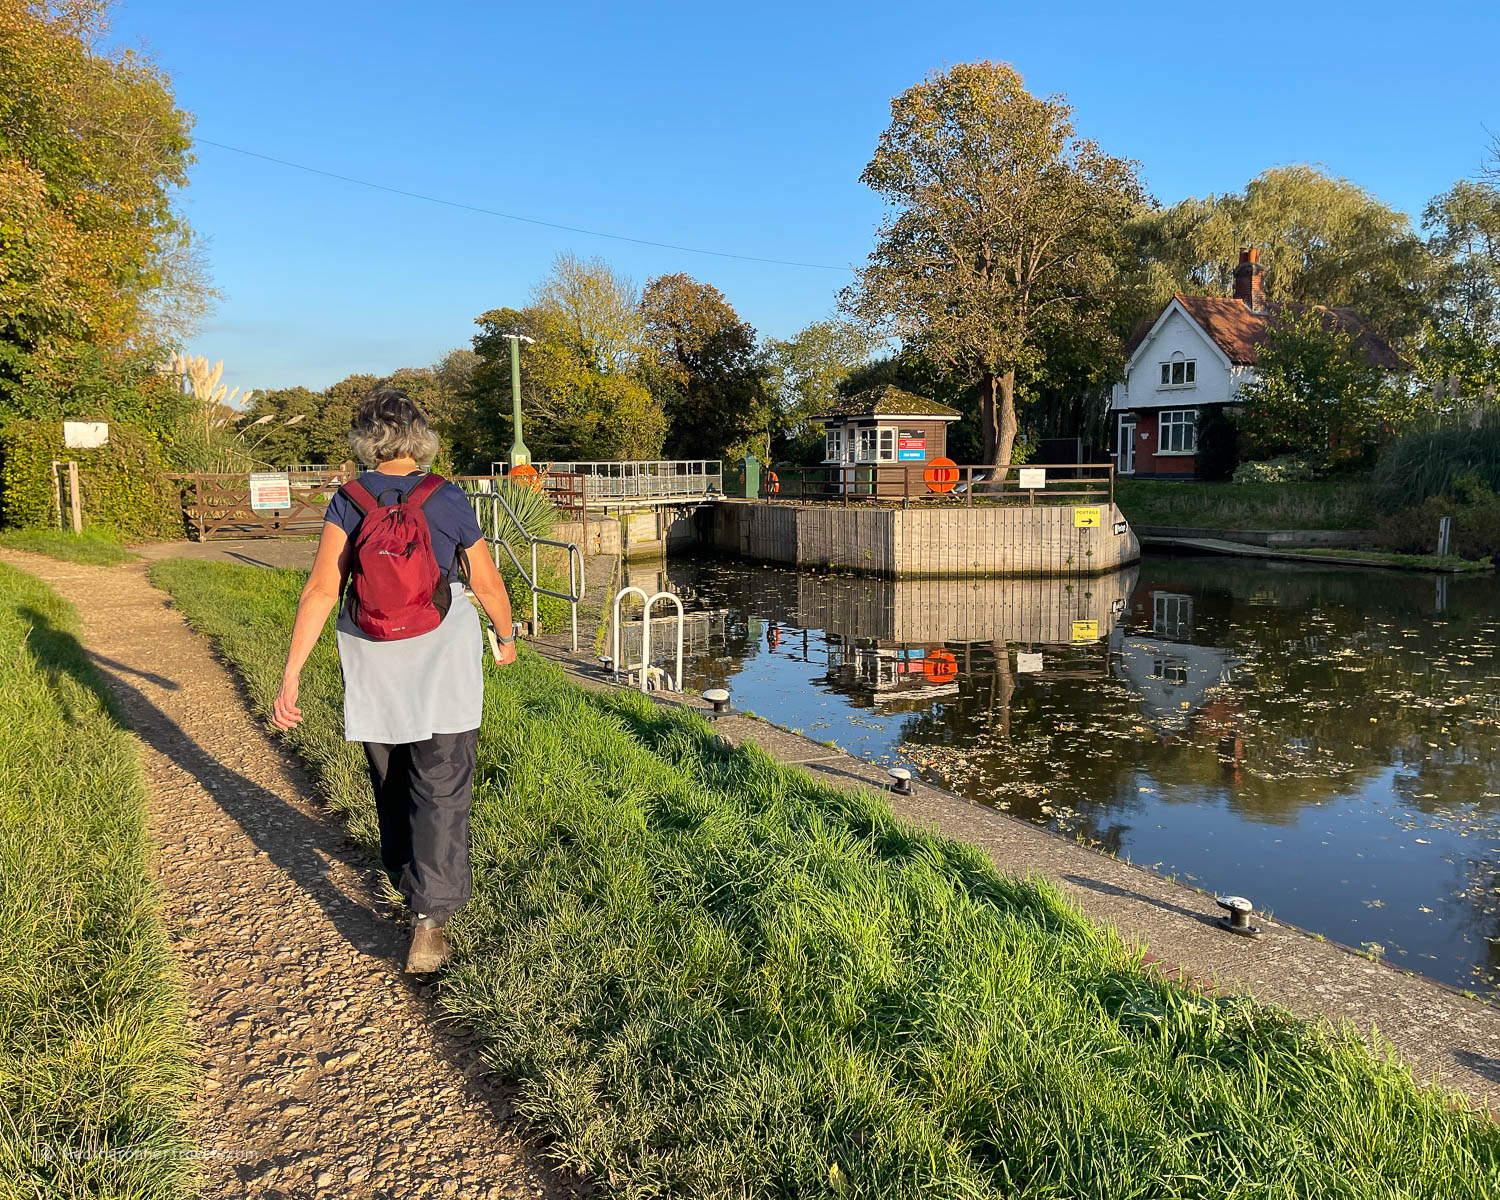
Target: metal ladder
673, 682
492, 509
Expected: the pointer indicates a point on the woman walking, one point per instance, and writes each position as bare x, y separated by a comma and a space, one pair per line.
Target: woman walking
394, 545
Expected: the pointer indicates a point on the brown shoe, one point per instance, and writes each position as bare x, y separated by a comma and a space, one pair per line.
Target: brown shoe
429, 948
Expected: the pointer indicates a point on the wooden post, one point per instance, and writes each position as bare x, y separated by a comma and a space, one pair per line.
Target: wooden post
57, 500
198, 502
73, 498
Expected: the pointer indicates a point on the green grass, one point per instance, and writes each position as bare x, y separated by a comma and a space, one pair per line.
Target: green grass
1322, 504
713, 976
94, 1060
1409, 562
92, 546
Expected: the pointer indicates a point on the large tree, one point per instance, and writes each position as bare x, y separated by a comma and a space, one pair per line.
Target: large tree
1322, 240
705, 367
1461, 343
1005, 229
92, 148
806, 369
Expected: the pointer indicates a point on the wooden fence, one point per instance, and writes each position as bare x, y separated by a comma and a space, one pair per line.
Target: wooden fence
218, 506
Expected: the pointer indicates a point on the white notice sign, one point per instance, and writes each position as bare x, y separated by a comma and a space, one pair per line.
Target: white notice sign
1033, 477
85, 435
1028, 662
270, 490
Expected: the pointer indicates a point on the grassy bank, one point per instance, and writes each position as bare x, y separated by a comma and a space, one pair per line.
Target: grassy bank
716, 977
91, 546
1322, 504
93, 1052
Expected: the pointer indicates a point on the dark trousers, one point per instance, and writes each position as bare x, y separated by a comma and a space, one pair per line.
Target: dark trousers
423, 793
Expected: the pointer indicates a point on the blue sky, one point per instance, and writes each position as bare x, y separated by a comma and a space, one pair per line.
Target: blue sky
729, 127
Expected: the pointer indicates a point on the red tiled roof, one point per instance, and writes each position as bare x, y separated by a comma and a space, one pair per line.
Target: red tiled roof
1240, 333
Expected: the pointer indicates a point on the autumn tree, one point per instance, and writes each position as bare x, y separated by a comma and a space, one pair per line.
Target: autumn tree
580, 391
806, 369
704, 366
1005, 226
92, 148
1322, 240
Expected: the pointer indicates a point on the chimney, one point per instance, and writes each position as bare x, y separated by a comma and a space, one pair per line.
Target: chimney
1248, 286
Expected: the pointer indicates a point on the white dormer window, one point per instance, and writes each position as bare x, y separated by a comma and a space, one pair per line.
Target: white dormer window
1179, 372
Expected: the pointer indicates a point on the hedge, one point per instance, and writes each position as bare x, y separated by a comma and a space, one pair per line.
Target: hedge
123, 483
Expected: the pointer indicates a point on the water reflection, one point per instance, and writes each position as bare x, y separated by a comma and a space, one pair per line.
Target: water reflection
1325, 741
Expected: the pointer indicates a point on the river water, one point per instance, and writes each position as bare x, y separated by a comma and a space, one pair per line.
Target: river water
1326, 742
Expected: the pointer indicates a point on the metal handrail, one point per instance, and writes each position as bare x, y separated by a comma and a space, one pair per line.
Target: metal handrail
498, 542
674, 682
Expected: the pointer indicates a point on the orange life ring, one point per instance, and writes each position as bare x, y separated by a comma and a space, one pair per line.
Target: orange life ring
941, 475
773, 484
940, 667
525, 475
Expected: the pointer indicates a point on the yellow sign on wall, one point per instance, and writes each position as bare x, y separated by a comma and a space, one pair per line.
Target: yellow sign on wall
1086, 517
1085, 631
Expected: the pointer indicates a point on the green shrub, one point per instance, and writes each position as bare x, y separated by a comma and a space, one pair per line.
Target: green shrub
1475, 532
1274, 470
123, 484
1433, 456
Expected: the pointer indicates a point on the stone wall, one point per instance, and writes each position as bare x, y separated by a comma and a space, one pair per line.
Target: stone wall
925, 541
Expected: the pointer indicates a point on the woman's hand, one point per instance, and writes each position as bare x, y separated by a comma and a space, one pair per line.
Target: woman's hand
285, 712
505, 654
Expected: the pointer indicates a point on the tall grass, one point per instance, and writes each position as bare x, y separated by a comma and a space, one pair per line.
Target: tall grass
1432, 455
716, 977
94, 1062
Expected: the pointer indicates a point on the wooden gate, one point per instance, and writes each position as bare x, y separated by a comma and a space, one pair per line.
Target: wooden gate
218, 506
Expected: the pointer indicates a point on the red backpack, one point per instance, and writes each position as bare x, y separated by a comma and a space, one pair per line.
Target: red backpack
395, 587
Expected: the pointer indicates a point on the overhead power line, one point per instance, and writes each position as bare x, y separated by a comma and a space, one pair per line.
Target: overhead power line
490, 212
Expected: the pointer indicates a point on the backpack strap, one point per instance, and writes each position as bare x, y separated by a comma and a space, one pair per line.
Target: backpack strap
360, 497
420, 494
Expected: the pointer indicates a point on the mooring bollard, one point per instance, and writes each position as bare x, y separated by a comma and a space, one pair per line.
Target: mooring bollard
719, 698
1238, 920
900, 781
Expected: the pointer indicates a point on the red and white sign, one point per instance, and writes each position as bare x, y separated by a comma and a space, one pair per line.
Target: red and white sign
911, 443
270, 490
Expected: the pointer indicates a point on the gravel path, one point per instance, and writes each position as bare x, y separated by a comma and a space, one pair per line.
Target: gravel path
325, 1073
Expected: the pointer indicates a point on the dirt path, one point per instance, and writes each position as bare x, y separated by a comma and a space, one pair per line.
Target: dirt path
324, 1072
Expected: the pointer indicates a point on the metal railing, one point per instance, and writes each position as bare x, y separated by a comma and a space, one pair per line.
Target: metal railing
493, 511
645, 479
673, 682
850, 483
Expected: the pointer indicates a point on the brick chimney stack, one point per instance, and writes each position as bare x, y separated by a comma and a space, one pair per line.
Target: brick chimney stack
1248, 280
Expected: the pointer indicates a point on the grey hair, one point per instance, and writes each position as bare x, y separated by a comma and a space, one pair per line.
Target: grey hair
388, 425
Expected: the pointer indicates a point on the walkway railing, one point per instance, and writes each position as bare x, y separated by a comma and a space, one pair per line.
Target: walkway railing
646, 479
673, 682
850, 483
496, 518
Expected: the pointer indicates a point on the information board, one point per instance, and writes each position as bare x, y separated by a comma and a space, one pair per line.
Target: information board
1033, 477
270, 490
85, 435
911, 447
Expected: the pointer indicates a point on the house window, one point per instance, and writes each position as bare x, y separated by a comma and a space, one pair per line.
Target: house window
1178, 431
833, 445
1171, 615
877, 444
1179, 372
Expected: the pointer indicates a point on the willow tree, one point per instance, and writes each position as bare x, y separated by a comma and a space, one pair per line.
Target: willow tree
1005, 228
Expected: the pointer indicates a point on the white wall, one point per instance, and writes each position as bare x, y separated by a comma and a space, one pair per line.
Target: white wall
1216, 382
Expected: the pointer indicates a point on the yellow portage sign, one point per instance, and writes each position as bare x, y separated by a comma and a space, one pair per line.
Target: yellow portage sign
1085, 631
1086, 517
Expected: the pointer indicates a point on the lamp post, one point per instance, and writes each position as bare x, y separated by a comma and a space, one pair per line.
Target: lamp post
519, 455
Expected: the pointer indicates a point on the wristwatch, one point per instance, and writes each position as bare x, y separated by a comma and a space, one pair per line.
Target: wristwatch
510, 641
